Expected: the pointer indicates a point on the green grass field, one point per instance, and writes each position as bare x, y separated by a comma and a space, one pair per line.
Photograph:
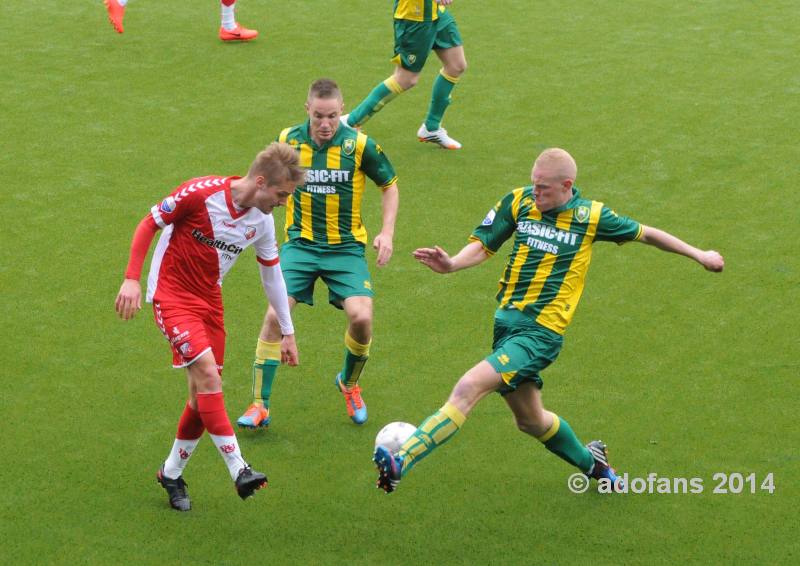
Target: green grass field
683, 115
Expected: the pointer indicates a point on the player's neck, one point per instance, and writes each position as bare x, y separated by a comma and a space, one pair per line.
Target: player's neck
239, 193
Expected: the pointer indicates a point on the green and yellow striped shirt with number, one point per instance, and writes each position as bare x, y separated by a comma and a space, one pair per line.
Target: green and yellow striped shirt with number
547, 266
417, 10
327, 208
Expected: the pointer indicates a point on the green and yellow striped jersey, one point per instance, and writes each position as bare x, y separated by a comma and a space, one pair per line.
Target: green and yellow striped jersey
417, 10
327, 208
547, 266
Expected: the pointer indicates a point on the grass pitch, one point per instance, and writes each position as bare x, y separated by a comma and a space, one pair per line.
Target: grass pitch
681, 116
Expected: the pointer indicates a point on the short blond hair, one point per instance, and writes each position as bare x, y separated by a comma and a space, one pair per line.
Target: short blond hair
559, 161
278, 163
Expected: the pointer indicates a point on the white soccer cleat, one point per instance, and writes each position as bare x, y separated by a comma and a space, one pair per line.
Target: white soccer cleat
438, 137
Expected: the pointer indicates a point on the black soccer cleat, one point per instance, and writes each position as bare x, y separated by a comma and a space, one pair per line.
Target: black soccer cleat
388, 469
176, 489
601, 469
248, 481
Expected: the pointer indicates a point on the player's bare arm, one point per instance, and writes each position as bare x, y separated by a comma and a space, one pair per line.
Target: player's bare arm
440, 261
709, 259
444, 2
383, 241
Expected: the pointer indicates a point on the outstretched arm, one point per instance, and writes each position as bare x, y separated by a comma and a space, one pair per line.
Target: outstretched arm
709, 259
129, 298
440, 262
383, 241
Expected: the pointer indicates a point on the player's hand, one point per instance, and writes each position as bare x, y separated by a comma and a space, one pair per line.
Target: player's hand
289, 355
444, 2
129, 299
435, 258
712, 261
383, 245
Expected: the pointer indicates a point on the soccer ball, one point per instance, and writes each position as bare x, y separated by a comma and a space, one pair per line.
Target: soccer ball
393, 435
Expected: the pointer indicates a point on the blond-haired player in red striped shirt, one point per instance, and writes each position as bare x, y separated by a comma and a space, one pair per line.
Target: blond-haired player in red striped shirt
206, 223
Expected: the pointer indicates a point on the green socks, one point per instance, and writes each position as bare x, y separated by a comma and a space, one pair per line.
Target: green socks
440, 100
268, 358
355, 356
432, 433
382, 94
561, 441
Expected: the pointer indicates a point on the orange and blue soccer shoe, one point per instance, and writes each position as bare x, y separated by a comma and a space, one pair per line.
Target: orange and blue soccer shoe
389, 467
256, 416
116, 12
237, 34
356, 408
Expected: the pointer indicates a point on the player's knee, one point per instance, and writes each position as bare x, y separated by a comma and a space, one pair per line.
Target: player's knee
407, 80
272, 319
361, 318
208, 380
456, 68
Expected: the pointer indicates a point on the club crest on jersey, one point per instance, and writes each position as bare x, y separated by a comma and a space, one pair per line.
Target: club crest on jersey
167, 205
250, 232
349, 146
582, 213
489, 218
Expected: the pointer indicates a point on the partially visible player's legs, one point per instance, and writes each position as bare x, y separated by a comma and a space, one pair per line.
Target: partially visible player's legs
229, 30
357, 340
205, 380
440, 427
449, 47
548, 428
454, 65
265, 366
556, 434
170, 476
116, 13
386, 91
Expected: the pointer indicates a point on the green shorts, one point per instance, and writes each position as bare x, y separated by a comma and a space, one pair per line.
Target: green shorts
413, 41
343, 268
522, 348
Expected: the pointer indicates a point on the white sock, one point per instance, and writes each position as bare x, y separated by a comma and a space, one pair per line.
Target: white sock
228, 19
122, 3
229, 450
179, 457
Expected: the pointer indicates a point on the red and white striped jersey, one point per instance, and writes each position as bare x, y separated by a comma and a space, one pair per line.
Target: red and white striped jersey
203, 235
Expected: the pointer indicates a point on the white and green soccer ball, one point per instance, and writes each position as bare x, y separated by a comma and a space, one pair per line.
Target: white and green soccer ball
394, 435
